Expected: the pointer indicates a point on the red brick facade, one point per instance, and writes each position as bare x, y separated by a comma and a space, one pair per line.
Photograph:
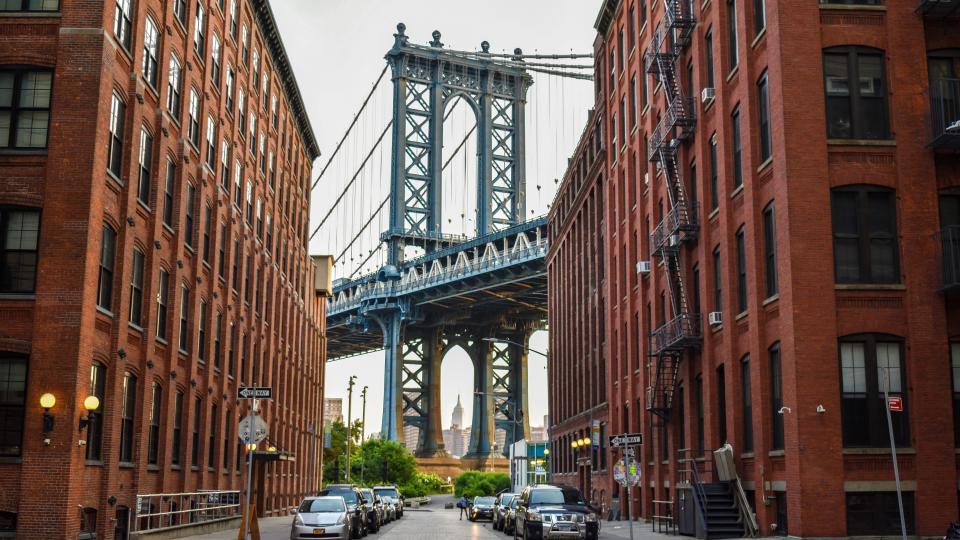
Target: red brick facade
262, 294
817, 483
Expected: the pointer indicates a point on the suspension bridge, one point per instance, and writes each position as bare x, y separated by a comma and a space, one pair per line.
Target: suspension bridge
436, 248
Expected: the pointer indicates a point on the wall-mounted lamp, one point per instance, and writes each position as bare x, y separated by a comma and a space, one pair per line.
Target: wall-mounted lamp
90, 404
546, 451
251, 447
47, 401
575, 444
272, 449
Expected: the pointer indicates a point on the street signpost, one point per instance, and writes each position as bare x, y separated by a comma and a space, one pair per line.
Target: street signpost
895, 403
626, 440
252, 429
626, 471
255, 392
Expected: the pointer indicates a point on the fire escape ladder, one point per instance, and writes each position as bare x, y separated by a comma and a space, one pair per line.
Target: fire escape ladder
682, 330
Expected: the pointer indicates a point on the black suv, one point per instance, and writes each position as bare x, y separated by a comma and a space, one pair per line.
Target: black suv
393, 493
546, 512
357, 506
500, 509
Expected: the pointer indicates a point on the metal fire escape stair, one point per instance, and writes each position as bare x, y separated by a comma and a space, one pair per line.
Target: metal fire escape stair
679, 226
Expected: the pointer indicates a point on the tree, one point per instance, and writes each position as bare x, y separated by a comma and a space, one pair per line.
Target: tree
334, 457
374, 454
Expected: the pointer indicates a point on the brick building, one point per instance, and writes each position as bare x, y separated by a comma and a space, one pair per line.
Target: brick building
802, 245
575, 278
154, 197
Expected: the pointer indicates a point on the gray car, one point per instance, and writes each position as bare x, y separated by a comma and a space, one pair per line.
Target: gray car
321, 517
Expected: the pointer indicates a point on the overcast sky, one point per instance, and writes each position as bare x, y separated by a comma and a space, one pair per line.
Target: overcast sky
337, 48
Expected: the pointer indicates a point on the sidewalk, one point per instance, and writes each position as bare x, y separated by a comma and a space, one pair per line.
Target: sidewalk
642, 530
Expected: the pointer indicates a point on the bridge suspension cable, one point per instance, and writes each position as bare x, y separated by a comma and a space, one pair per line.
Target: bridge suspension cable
364, 227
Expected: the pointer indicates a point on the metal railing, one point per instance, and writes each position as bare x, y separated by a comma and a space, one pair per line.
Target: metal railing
945, 113
157, 511
691, 475
949, 240
676, 334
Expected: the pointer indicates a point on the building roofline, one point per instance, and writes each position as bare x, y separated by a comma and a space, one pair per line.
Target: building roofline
271, 33
607, 11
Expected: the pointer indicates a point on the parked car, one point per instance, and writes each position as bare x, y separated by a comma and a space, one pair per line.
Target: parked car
321, 517
500, 509
510, 518
546, 511
481, 508
356, 506
394, 494
374, 509
389, 508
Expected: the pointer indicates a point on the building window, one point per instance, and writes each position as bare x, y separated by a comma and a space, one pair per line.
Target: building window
877, 513
234, 18
253, 129
193, 128
121, 23
189, 215
177, 441
136, 287
737, 148
29, 5
202, 332
259, 218
115, 139
145, 158
859, 110
13, 381
732, 33
721, 406
766, 137
708, 52
273, 111
770, 250
212, 440
151, 44
229, 90
24, 107
759, 16
127, 415
225, 166
153, 441
245, 45
237, 183
698, 396
242, 113
207, 224
256, 68
173, 87
19, 236
869, 364
249, 211
211, 136
717, 281
215, 60
235, 270
108, 240
180, 11
776, 397
184, 318
168, 193
741, 271
98, 380
227, 440
714, 182
955, 378
217, 343
163, 288
747, 401
865, 234
199, 32
195, 438
221, 252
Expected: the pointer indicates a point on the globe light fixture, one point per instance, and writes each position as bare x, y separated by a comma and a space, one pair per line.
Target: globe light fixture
251, 447
47, 401
90, 404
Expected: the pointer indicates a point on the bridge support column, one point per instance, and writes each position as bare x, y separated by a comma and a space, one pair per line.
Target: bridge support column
391, 427
430, 443
510, 387
482, 427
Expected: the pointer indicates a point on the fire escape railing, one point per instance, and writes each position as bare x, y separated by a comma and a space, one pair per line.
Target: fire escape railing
945, 113
682, 330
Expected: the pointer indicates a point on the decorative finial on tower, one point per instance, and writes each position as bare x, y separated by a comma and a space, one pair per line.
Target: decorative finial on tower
436, 40
485, 46
518, 54
400, 38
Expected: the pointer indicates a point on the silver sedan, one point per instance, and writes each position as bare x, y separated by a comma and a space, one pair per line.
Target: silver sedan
321, 517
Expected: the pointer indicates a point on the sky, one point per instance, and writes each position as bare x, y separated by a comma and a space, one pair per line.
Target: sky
336, 48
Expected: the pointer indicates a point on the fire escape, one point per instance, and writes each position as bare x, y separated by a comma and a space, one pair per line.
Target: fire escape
681, 331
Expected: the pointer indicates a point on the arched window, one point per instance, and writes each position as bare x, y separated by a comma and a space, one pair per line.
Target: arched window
98, 381
108, 241
870, 364
856, 93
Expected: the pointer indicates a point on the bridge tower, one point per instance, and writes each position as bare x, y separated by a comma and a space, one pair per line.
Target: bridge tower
426, 81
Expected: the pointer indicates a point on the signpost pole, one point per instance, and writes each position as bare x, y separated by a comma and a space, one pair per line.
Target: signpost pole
893, 452
247, 510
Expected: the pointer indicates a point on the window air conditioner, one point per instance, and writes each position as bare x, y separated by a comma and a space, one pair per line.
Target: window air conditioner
715, 318
673, 240
707, 95
643, 267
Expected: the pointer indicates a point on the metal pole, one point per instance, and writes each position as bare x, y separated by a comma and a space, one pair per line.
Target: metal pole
246, 508
893, 451
363, 430
353, 381
629, 506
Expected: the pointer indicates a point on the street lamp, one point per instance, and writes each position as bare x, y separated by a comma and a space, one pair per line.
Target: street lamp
47, 401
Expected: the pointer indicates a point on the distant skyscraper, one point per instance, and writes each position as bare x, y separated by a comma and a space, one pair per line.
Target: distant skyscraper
538, 434
332, 410
457, 420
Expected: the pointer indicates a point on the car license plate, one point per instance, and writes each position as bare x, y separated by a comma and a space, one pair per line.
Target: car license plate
563, 527
319, 531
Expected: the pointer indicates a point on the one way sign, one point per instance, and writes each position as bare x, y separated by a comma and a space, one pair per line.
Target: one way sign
255, 392
626, 439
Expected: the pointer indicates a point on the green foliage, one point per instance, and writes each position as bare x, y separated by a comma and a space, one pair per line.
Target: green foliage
477, 483
421, 485
367, 465
334, 458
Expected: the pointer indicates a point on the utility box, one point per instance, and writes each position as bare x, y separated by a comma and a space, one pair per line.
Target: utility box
323, 275
726, 468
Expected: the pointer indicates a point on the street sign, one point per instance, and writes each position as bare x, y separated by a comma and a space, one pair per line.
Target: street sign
255, 392
595, 434
252, 429
626, 439
626, 472
895, 403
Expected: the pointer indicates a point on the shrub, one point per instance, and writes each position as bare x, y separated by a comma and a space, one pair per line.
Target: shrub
478, 484
421, 485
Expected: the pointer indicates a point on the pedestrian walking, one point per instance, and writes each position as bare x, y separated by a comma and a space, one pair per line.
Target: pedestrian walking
462, 505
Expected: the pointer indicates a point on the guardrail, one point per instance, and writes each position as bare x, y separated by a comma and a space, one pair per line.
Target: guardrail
156, 511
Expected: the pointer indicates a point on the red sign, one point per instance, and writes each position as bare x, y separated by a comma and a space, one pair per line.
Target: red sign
895, 403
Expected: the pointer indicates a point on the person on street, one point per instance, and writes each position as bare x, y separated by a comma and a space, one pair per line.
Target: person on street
462, 505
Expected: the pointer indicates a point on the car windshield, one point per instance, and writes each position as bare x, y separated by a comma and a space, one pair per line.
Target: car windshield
387, 491
515, 502
316, 506
483, 501
556, 496
349, 496
505, 500
367, 494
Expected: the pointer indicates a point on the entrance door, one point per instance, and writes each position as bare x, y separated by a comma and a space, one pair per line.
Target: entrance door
123, 523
